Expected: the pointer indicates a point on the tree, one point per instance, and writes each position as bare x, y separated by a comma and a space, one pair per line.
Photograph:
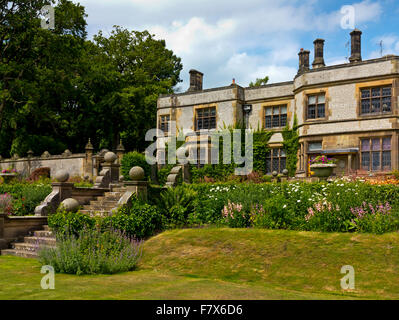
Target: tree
259, 82
129, 70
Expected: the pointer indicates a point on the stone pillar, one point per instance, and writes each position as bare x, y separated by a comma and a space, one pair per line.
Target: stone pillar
135, 188
88, 169
120, 151
3, 242
30, 155
395, 151
349, 163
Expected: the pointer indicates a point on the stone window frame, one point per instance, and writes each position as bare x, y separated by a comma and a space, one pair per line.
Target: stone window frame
370, 98
203, 108
279, 106
162, 125
370, 152
316, 94
274, 156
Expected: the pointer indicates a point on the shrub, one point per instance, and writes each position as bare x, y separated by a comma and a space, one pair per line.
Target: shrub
133, 159
6, 203
139, 220
92, 252
63, 222
235, 216
176, 204
39, 173
163, 174
31, 195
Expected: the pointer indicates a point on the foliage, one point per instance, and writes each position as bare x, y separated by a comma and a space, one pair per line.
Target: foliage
63, 222
6, 203
299, 206
163, 173
139, 220
323, 160
26, 196
234, 215
92, 252
133, 159
176, 204
259, 82
291, 146
39, 173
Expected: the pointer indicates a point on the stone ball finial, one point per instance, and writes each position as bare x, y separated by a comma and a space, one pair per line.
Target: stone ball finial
274, 173
70, 205
136, 173
62, 176
110, 157
285, 172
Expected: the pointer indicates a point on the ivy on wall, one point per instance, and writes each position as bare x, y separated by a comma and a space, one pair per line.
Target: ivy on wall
291, 146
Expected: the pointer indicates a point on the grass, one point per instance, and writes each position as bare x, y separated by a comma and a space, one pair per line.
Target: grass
215, 263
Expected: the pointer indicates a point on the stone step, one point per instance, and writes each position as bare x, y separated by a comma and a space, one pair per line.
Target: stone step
96, 213
99, 207
23, 246
109, 198
43, 234
46, 228
120, 190
18, 253
39, 240
103, 202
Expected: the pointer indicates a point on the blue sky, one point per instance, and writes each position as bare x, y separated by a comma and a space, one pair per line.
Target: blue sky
250, 39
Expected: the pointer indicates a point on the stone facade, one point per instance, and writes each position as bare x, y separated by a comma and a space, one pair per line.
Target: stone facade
343, 123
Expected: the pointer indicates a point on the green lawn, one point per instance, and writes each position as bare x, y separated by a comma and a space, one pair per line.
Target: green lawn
215, 263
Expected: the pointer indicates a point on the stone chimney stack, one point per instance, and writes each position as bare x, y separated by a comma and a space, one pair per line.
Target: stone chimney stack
303, 61
318, 54
196, 79
356, 46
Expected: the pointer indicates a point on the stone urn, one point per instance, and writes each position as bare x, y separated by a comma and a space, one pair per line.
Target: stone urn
7, 177
323, 170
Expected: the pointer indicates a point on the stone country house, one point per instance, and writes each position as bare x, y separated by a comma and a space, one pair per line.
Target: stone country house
348, 111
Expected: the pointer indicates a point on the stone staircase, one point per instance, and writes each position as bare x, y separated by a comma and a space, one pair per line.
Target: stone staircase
29, 248
103, 205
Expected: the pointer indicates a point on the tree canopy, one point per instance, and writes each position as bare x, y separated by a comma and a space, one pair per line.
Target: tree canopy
58, 89
259, 82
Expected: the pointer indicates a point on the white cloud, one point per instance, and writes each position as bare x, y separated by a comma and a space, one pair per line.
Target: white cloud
224, 38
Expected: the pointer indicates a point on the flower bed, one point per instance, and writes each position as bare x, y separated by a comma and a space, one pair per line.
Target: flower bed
299, 206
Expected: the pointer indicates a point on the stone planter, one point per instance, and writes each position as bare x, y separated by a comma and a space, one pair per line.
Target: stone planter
7, 177
322, 170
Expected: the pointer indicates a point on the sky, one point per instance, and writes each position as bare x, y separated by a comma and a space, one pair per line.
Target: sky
251, 39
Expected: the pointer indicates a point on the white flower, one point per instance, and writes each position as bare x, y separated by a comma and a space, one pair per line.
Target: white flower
298, 201
284, 206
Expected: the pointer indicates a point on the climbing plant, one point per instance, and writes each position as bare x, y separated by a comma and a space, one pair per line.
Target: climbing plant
291, 145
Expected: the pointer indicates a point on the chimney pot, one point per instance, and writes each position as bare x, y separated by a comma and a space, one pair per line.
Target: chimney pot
318, 54
196, 80
303, 61
356, 46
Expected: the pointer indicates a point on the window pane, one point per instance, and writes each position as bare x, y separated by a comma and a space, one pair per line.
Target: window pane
366, 106
365, 93
283, 120
206, 113
376, 161
386, 160
275, 121
376, 92
282, 153
321, 98
283, 110
213, 111
386, 104
282, 164
275, 165
366, 145
387, 91
365, 160
320, 111
212, 123
376, 144
312, 100
386, 144
268, 111
268, 166
268, 122
312, 112
206, 123
276, 110
200, 112
275, 152
315, 146
375, 105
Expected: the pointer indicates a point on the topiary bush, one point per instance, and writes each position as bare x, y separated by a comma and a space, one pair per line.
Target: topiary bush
39, 173
133, 159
